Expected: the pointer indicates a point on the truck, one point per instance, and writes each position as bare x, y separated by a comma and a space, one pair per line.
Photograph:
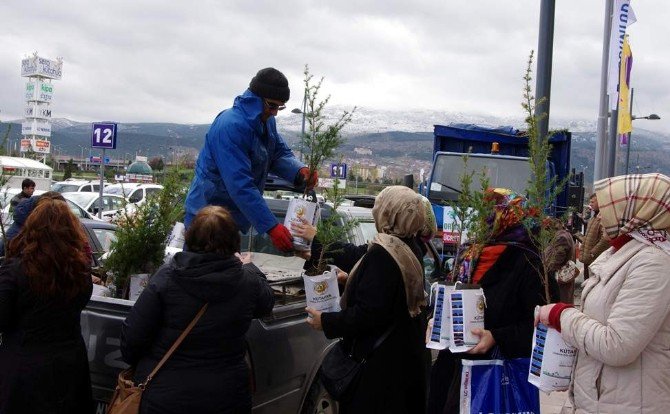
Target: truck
502, 153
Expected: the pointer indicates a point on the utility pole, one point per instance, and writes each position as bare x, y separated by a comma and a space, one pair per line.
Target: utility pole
544, 62
601, 138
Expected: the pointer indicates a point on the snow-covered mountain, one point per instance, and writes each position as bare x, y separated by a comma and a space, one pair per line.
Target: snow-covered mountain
367, 120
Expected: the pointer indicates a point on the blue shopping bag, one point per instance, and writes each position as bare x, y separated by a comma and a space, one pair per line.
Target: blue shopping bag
498, 386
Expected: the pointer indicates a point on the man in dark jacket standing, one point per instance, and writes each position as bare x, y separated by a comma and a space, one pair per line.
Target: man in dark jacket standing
241, 148
27, 190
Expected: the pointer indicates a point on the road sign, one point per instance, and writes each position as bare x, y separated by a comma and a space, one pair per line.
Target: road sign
338, 171
104, 135
96, 160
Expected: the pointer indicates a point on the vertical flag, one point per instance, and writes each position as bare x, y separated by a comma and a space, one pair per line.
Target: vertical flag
622, 17
624, 123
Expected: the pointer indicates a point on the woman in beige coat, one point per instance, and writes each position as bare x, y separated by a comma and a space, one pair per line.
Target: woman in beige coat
622, 332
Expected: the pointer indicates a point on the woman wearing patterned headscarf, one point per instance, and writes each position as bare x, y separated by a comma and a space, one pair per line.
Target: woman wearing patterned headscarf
622, 331
508, 267
384, 293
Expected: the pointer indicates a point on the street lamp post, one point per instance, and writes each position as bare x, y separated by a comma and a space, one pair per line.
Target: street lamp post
81, 158
298, 111
652, 117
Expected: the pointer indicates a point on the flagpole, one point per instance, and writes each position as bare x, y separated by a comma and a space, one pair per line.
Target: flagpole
610, 171
632, 93
601, 138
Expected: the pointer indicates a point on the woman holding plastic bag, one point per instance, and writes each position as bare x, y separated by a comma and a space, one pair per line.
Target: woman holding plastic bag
622, 331
508, 267
383, 299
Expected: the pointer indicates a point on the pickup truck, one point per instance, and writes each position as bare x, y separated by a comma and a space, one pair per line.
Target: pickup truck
284, 353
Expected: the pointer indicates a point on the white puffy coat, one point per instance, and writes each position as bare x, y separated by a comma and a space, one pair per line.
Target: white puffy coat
622, 333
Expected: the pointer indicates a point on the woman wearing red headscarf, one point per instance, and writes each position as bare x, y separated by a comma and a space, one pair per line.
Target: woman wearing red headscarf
508, 267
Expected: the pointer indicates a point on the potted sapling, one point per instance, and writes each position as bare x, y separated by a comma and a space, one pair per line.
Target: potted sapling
319, 144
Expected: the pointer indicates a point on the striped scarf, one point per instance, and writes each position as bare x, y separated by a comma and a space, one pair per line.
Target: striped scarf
637, 205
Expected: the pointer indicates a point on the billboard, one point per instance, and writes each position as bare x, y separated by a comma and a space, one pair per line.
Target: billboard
37, 110
41, 146
25, 145
39, 91
38, 66
36, 127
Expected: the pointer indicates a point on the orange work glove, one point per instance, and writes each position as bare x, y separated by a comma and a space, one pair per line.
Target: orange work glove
281, 238
304, 179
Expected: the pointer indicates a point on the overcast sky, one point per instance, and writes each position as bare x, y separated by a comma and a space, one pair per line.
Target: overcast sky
184, 61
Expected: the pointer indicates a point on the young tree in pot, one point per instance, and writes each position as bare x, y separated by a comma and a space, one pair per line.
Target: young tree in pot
319, 143
141, 235
542, 189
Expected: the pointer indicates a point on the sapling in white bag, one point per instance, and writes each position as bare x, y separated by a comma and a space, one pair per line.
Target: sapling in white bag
551, 361
301, 210
466, 308
322, 292
439, 336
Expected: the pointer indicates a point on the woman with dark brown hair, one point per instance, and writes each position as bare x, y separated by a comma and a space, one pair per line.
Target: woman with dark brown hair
207, 373
44, 285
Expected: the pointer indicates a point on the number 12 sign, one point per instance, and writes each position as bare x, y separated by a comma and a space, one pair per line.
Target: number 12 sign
104, 135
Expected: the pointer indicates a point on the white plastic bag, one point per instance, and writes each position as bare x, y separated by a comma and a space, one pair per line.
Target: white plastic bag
176, 237
466, 308
137, 284
552, 360
322, 292
100, 290
300, 209
439, 336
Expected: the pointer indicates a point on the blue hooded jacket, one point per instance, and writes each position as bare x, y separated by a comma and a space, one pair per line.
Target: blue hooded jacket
234, 163
20, 214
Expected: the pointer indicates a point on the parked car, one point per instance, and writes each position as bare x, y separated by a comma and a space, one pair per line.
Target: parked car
112, 204
7, 218
74, 185
100, 235
134, 193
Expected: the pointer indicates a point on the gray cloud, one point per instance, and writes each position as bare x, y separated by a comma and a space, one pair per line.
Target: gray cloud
183, 61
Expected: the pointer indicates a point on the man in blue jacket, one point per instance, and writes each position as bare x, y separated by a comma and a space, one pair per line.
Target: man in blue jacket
241, 147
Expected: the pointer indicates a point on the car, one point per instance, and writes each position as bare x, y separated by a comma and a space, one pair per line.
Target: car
134, 193
112, 204
100, 235
73, 185
7, 195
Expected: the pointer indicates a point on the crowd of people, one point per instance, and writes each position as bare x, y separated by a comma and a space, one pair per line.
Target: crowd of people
185, 335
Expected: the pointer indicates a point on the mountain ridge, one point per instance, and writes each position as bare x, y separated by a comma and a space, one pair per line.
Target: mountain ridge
390, 135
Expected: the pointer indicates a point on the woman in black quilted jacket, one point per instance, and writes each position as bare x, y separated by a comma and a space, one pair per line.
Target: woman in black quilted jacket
207, 373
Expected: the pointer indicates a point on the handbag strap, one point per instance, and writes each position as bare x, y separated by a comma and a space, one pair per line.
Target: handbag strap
174, 347
379, 341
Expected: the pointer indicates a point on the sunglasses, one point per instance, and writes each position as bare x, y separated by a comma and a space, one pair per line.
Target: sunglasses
274, 106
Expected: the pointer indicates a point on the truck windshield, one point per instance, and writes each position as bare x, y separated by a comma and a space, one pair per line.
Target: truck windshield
502, 171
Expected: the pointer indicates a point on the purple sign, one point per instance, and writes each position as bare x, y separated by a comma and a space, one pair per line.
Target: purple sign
104, 135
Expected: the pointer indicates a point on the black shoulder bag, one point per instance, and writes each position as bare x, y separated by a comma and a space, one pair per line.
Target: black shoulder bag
340, 371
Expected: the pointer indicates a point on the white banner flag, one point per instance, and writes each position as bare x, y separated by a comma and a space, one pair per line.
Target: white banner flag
622, 17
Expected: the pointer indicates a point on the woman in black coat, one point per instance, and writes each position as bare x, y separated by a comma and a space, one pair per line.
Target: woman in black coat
509, 269
44, 285
207, 373
385, 292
